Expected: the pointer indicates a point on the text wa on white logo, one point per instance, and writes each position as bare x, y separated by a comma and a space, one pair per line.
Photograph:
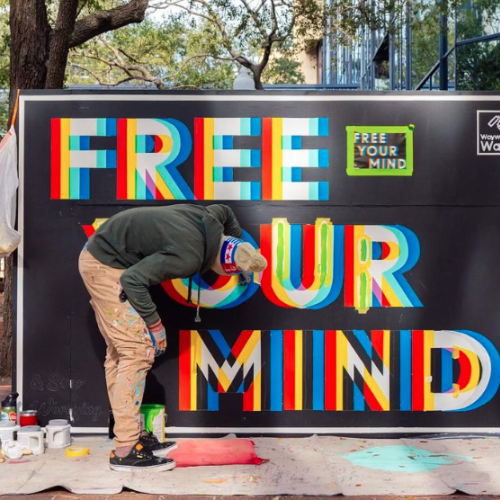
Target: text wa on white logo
488, 132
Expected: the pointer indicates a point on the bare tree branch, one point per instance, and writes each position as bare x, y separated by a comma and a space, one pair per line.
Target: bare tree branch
253, 14
163, 5
132, 69
80, 10
274, 18
138, 71
196, 13
97, 78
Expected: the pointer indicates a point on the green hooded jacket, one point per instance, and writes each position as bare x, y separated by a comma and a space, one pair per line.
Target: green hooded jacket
156, 244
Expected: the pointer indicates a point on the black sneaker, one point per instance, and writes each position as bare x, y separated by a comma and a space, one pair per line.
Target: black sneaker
151, 443
140, 458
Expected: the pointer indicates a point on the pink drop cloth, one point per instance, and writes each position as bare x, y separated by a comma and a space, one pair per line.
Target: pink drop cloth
196, 452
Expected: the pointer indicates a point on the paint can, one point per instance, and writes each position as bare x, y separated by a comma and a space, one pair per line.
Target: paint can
8, 431
28, 417
31, 437
58, 433
9, 408
153, 420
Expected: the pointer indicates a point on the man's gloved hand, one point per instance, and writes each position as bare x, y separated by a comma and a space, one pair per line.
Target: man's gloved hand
158, 337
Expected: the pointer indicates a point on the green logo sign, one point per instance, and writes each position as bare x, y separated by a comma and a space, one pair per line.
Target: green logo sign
380, 151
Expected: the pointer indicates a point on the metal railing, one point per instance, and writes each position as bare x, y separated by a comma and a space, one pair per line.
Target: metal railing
469, 41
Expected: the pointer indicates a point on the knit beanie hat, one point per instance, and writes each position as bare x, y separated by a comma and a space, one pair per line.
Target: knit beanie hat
236, 256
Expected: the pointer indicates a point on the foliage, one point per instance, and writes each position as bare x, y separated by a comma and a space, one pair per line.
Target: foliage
4, 43
4, 113
479, 63
283, 69
251, 30
171, 54
425, 42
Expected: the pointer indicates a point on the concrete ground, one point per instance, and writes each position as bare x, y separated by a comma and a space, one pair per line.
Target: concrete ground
130, 495
62, 494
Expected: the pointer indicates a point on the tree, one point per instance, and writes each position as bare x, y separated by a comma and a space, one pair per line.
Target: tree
478, 64
172, 54
251, 29
177, 53
39, 49
41, 34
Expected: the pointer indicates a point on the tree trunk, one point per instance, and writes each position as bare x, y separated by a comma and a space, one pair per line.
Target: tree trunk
29, 48
6, 344
29, 44
38, 58
257, 74
59, 44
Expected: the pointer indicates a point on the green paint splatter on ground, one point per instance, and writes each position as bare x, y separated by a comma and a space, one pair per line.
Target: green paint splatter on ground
401, 459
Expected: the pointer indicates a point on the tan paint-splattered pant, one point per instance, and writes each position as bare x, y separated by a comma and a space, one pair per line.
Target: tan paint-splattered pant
130, 352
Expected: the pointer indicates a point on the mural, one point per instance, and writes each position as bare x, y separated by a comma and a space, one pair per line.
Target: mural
308, 264
148, 152
405, 238
338, 370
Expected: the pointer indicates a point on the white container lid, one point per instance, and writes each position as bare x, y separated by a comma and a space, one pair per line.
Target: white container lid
30, 428
58, 422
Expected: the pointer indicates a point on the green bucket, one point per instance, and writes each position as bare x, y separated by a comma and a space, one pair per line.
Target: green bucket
153, 420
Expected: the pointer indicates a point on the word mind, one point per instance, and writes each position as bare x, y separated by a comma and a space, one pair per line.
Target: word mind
338, 370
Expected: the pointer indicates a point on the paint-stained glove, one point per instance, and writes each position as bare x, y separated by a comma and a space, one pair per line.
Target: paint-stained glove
158, 337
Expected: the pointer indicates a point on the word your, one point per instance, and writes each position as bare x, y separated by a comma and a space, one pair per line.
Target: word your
309, 264
381, 370
148, 153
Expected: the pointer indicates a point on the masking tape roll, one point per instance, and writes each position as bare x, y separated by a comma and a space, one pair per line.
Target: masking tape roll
77, 452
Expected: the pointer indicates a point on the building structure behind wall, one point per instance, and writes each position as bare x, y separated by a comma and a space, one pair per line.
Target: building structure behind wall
426, 50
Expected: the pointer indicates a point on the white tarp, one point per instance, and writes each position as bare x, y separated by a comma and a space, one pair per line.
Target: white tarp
9, 237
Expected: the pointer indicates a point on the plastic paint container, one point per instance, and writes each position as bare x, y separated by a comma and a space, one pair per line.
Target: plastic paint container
31, 437
153, 420
58, 433
8, 431
28, 417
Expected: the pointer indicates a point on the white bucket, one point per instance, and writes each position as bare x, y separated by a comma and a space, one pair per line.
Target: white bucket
7, 431
31, 437
58, 433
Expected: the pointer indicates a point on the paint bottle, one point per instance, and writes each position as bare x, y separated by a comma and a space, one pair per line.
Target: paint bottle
153, 420
9, 408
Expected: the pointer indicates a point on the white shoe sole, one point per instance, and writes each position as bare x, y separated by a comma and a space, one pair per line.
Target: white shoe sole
165, 451
154, 468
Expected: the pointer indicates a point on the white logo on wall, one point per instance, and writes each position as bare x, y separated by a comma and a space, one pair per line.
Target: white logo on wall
488, 132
